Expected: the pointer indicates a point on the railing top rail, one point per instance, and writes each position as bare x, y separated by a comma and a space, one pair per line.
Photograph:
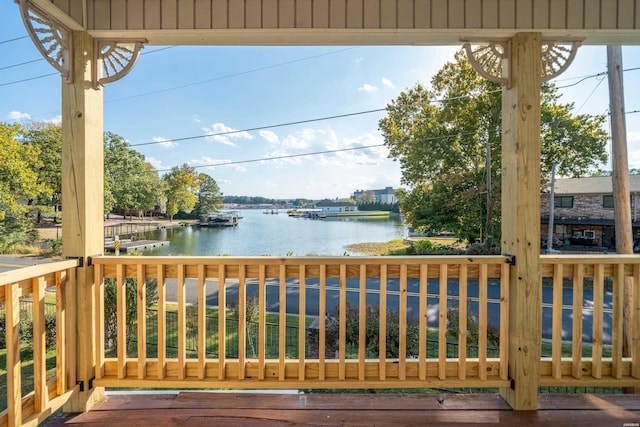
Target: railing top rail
25, 273
300, 260
591, 259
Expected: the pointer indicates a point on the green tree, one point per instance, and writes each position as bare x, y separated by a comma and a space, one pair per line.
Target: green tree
442, 148
209, 197
130, 181
47, 139
19, 165
182, 183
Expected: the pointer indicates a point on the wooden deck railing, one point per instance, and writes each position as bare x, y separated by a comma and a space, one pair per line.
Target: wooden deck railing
34, 391
585, 307
386, 322
257, 322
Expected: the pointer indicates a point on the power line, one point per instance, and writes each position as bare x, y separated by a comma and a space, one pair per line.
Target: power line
231, 132
435, 138
29, 79
289, 156
228, 76
13, 40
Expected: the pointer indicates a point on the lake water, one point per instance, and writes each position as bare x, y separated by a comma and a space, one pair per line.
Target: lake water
278, 235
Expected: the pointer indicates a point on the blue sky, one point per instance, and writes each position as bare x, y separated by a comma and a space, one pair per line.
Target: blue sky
184, 92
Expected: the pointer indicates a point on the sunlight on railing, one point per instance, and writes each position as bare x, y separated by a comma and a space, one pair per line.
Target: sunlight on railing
305, 322
39, 344
583, 306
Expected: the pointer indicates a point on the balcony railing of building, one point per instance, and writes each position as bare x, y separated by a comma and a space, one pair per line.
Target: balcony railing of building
312, 322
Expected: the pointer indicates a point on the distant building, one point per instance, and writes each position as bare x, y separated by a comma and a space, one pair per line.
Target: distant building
583, 211
385, 195
329, 206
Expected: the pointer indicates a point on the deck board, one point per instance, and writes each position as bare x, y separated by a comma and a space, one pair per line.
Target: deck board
263, 409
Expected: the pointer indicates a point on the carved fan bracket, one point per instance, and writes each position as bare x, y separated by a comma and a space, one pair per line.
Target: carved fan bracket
114, 59
51, 38
489, 58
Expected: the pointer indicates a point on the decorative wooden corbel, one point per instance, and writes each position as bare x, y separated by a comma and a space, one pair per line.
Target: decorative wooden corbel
114, 59
52, 39
489, 57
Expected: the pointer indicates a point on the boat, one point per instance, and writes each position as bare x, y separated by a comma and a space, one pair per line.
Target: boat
229, 219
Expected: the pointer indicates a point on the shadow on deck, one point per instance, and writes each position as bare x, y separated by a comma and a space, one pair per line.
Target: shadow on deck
263, 409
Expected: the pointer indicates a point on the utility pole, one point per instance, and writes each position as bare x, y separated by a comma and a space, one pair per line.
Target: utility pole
552, 206
620, 180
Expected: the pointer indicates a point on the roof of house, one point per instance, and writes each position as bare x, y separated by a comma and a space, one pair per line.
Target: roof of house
330, 203
592, 185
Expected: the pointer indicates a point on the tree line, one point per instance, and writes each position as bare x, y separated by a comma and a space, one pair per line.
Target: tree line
447, 140
31, 181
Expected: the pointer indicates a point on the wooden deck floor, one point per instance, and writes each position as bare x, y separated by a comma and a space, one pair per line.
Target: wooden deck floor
265, 410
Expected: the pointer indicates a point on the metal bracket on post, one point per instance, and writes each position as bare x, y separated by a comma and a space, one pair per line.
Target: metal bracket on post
511, 259
90, 259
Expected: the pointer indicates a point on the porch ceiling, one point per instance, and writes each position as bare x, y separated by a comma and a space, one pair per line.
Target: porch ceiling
348, 22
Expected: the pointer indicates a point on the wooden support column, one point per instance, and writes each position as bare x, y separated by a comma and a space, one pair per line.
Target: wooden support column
82, 206
521, 217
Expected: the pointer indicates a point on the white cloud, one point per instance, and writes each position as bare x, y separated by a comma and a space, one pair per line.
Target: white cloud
388, 83
633, 136
367, 88
270, 136
55, 120
17, 115
359, 60
163, 142
156, 163
210, 163
196, 118
230, 133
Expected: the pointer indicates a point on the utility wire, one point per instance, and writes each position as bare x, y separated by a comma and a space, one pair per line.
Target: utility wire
231, 132
13, 40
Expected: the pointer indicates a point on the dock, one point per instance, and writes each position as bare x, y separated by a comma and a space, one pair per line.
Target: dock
126, 245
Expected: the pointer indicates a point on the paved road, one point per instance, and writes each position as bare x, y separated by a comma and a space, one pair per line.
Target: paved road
8, 263
433, 308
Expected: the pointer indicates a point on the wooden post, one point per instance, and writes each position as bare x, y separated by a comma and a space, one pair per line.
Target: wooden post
521, 217
82, 201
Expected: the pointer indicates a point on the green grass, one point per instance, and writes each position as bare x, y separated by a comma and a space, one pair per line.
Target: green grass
26, 356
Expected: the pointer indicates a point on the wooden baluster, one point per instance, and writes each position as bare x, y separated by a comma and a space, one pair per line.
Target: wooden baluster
617, 325
598, 305
98, 272
202, 322
576, 347
162, 322
322, 313
222, 322
121, 314
556, 329
422, 352
302, 326
635, 345
402, 362
14, 379
462, 323
282, 323
442, 325
39, 346
362, 323
242, 320
142, 321
342, 346
482, 322
382, 333
262, 296
182, 323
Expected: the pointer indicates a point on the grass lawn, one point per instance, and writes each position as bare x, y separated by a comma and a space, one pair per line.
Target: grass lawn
26, 355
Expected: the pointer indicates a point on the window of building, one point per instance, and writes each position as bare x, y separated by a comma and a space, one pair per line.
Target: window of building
562, 229
563, 201
607, 201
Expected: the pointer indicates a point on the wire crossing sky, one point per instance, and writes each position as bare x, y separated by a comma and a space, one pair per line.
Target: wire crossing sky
278, 122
